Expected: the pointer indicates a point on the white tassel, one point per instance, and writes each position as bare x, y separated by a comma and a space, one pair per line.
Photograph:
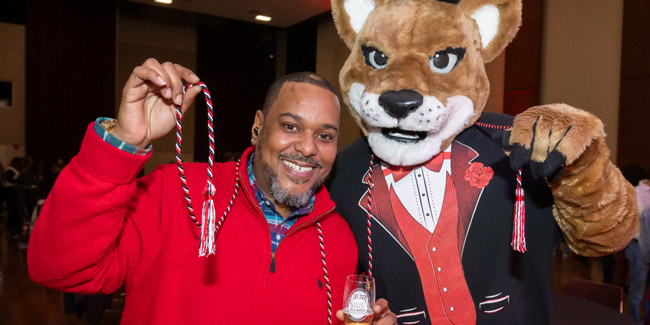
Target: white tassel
208, 214
519, 223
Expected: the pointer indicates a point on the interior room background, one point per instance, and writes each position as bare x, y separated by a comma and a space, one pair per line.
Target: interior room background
66, 62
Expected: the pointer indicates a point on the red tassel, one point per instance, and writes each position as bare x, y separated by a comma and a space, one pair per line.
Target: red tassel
208, 217
519, 221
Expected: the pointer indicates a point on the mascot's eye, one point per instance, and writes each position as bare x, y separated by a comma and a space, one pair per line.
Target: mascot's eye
374, 57
445, 61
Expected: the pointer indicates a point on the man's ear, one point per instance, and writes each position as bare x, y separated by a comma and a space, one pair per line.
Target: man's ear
256, 129
498, 22
350, 15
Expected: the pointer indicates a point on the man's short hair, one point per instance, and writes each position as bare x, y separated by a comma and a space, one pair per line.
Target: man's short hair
298, 77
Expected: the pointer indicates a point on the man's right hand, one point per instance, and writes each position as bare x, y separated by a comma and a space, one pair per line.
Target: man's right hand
149, 98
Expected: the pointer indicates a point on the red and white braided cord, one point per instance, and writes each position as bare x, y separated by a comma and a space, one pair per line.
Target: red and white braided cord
493, 126
179, 163
325, 274
519, 221
369, 214
209, 189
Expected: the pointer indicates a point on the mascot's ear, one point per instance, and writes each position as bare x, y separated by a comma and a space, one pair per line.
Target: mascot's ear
498, 22
349, 16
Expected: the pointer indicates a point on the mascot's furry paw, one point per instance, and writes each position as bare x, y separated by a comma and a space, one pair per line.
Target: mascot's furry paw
551, 137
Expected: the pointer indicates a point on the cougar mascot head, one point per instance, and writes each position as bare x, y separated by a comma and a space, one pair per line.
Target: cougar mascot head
416, 77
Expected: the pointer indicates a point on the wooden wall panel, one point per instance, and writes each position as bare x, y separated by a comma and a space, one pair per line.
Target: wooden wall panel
634, 117
70, 73
524, 61
235, 61
301, 46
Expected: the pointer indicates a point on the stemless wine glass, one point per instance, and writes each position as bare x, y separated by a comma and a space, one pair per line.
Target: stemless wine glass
358, 298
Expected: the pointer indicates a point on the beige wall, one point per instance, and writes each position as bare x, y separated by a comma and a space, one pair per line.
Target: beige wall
138, 41
12, 69
581, 58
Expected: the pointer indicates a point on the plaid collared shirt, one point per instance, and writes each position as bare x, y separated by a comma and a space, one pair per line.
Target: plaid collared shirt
278, 226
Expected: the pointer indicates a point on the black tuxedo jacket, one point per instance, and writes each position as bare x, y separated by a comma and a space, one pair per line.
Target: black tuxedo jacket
497, 276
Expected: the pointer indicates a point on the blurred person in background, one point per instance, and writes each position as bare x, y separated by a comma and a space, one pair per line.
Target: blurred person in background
636, 251
10, 195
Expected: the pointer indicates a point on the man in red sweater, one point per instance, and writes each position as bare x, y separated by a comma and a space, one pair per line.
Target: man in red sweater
280, 249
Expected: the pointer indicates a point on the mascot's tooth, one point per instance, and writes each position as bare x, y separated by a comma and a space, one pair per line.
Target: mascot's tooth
402, 135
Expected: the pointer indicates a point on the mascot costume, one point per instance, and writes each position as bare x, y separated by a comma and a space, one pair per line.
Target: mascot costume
457, 212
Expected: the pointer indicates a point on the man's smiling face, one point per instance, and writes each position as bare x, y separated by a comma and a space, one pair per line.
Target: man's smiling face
296, 146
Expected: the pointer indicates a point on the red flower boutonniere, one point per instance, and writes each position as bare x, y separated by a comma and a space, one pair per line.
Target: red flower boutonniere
478, 175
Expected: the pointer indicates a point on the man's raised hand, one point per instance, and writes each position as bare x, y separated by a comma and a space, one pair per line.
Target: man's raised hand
149, 98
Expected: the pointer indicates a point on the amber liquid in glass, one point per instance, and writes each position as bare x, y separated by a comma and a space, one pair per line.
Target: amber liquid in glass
348, 321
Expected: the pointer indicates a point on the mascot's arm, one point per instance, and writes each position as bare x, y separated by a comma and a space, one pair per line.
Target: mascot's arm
594, 205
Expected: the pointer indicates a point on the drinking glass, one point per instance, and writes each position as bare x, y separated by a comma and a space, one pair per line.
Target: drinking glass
358, 298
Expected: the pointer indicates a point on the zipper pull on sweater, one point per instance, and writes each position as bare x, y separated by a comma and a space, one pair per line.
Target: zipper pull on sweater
273, 262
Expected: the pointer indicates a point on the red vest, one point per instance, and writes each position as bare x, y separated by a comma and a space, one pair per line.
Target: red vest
438, 261
446, 288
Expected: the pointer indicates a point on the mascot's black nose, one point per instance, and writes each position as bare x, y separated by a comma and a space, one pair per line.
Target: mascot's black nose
399, 103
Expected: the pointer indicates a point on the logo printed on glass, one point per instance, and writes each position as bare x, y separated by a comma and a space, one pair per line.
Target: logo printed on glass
358, 305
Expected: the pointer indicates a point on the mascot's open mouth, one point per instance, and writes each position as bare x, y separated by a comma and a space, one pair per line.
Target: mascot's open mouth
403, 135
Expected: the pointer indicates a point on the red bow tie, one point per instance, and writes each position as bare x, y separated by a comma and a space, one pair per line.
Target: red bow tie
433, 165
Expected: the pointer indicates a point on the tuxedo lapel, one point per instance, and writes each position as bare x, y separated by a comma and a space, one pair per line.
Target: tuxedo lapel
467, 195
462, 157
382, 210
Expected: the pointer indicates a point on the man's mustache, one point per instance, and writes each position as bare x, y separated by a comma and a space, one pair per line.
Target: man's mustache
299, 157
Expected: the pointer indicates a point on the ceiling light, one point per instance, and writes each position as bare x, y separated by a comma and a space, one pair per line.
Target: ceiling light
263, 18
164, 1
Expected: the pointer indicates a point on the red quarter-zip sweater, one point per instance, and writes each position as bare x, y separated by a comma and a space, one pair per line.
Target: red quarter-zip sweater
101, 228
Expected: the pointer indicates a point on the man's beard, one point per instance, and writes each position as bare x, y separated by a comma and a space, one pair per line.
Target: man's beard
280, 194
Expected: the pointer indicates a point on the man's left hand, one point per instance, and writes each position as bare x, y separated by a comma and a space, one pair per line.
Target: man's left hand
382, 316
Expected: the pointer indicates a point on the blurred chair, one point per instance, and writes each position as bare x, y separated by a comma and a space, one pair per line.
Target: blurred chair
602, 293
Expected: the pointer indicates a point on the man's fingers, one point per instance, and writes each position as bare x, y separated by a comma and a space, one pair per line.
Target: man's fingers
189, 97
152, 76
386, 319
379, 306
339, 314
142, 81
159, 76
191, 78
153, 64
167, 78
187, 74
175, 83
141, 75
383, 314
